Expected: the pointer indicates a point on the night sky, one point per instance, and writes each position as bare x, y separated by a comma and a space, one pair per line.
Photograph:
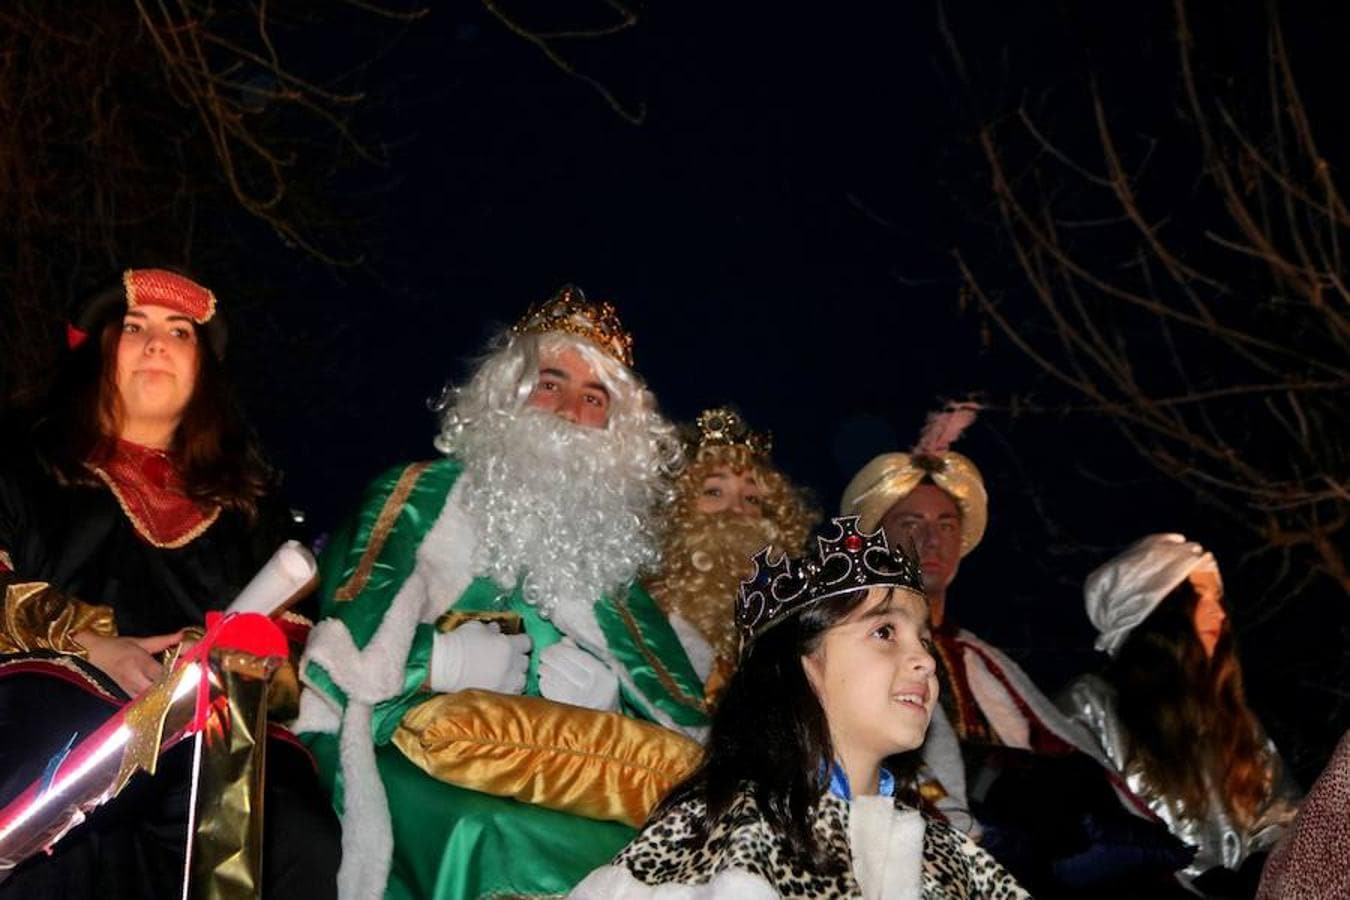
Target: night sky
776, 233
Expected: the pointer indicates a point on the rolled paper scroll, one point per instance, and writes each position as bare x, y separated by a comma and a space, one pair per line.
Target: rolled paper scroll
279, 583
96, 769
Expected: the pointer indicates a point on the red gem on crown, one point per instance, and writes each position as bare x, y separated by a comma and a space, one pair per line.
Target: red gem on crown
853, 543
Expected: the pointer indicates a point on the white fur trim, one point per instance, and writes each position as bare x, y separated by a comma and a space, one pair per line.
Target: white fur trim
374, 674
578, 621
887, 846
699, 651
617, 883
319, 714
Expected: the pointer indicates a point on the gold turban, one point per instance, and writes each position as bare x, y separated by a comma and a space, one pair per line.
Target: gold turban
890, 477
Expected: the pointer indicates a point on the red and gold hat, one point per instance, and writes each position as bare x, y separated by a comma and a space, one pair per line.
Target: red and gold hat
150, 287
160, 287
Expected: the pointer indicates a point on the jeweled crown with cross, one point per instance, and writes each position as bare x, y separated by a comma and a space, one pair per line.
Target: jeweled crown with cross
569, 311
841, 563
723, 426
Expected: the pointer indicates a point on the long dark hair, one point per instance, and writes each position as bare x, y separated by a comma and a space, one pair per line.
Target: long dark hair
215, 451
769, 736
1186, 714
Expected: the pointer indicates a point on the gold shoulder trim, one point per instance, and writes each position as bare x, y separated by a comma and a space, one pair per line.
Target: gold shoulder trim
662, 673
384, 523
144, 531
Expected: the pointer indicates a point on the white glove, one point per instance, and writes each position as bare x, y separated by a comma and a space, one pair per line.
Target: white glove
478, 655
569, 674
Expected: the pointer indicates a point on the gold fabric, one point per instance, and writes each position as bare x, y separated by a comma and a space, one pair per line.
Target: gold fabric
595, 764
508, 622
283, 693
227, 818
890, 477
38, 617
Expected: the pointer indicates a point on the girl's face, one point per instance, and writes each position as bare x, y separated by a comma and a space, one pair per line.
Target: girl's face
875, 676
1209, 614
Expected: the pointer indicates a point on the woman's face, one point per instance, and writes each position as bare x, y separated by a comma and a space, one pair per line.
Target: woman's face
1209, 614
724, 490
875, 676
156, 367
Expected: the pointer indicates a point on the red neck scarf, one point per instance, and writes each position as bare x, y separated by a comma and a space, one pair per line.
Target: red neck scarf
149, 488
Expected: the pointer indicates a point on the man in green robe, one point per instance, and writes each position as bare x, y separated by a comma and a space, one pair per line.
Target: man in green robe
544, 507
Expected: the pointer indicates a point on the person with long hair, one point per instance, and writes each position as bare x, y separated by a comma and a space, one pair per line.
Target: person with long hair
730, 500
134, 502
1170, 713
806, 788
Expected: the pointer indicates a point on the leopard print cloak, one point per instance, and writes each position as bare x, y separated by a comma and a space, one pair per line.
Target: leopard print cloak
893, 853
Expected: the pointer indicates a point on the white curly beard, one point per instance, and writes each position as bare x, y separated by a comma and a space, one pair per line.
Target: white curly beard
568, 509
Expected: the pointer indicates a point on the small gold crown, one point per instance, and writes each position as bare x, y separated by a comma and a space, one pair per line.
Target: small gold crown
569, 311
723, 426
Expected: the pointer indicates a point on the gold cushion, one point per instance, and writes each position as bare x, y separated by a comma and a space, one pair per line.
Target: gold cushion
596, 764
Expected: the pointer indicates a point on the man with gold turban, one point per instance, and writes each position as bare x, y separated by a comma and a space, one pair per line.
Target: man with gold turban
933, 499
493, 700
730, 501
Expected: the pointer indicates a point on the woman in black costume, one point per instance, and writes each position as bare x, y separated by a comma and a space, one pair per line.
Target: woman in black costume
129, 508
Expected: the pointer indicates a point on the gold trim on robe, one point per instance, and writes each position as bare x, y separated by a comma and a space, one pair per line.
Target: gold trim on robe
38, 617
384, 523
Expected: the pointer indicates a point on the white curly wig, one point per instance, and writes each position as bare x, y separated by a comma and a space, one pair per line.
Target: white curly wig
569, 512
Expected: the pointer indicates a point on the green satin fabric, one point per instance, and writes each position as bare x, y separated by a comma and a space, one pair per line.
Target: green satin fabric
452, 843
396, 559
640, 637
391, 568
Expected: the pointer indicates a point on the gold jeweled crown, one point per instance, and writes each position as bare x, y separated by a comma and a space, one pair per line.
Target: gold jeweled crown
569, 311
723, 426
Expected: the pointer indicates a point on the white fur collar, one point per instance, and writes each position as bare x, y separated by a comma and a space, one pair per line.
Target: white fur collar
887, 845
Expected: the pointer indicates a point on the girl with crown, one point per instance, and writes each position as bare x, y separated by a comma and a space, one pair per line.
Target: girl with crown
1170, 714
804, 790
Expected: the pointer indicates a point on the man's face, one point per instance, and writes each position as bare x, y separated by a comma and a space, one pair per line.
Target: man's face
929, 519
735, 493
569, 388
